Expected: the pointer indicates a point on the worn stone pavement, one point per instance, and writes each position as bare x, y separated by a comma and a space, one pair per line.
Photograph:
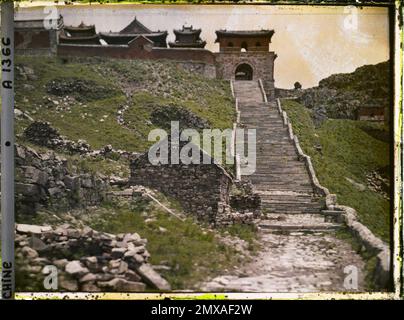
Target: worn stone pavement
294, 262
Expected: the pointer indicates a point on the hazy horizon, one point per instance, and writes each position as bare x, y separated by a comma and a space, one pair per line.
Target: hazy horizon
311, 42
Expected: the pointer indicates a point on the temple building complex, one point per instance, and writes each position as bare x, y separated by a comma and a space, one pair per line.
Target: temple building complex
243, 55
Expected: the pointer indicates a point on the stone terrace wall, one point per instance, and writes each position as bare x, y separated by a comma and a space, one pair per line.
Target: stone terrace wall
45, 181
202, 189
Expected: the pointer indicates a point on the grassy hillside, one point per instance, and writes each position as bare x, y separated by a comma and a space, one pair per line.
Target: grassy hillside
344, 152
82, 98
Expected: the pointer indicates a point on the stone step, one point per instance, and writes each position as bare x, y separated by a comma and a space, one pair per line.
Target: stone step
290, 212
261, 172
264, 168
281, 187
296, 225
288, 200
293, 207
264, 122
281, 175
263, 154
261, 111
294, 197
295, 188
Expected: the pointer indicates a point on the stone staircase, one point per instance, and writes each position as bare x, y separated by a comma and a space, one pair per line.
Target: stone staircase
288, 200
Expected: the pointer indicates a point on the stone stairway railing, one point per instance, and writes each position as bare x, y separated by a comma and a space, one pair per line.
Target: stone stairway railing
319, 189
264, 95
237, 166
348, 215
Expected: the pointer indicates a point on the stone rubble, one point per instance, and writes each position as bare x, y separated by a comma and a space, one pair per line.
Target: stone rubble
42, 134
88, 260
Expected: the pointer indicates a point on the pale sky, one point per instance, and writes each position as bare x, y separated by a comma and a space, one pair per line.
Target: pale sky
311, 42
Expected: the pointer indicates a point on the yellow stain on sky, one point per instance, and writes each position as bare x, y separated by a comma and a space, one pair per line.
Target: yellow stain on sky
312, 42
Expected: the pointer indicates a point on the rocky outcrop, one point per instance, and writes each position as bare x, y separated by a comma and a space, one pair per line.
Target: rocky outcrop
87, 260
44, 180
342, 95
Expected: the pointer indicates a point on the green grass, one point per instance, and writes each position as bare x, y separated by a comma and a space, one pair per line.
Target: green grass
149, 82
191, 252
349, 149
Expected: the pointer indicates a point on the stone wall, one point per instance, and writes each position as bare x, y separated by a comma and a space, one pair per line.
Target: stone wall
204, 69
132, 51
202, 189
45, 181
262, 64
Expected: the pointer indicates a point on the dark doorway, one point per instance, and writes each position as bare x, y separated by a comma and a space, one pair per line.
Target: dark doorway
244, 72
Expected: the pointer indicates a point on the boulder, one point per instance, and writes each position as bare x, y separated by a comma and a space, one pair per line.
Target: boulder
72, 182
60, 263
117, 253
29, 252
36, 176
90, 287
134, 257
37, 244
27, 189
152, 278
88, 277
132, 276
32, 229
122, 285
68, 284
76, 268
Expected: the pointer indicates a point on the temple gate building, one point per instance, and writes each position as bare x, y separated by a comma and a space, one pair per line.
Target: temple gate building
245, 55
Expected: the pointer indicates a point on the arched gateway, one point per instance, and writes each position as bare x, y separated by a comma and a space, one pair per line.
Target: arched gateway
243, 72
245, 55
